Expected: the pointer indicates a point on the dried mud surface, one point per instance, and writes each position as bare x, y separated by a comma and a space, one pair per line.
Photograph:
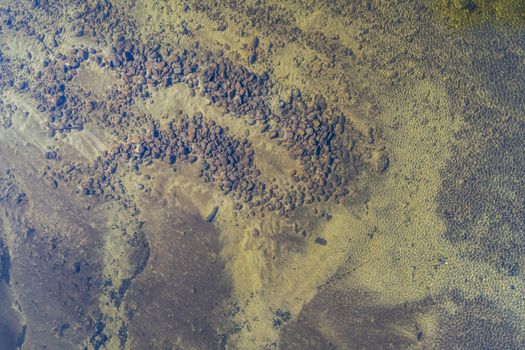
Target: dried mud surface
262, 174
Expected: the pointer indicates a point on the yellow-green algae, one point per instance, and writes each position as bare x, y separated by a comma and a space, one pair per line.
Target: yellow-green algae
468, 13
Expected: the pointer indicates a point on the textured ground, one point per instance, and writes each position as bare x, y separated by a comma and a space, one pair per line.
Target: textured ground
262, 174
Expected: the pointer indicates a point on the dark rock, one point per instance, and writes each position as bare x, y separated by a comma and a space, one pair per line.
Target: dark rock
60, 100
383, 163
320, 241
51, 155
213, 214
252, 58
255, 43
128, 56
468, 5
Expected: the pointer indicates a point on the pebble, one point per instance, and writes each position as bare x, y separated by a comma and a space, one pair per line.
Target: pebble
212, 215
321, 241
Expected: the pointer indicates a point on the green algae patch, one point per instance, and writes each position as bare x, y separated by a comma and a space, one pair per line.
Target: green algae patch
469, 13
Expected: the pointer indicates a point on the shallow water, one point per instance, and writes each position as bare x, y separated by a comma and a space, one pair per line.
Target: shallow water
262, 174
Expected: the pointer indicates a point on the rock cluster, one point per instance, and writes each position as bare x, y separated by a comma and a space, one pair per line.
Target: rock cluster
321, 140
